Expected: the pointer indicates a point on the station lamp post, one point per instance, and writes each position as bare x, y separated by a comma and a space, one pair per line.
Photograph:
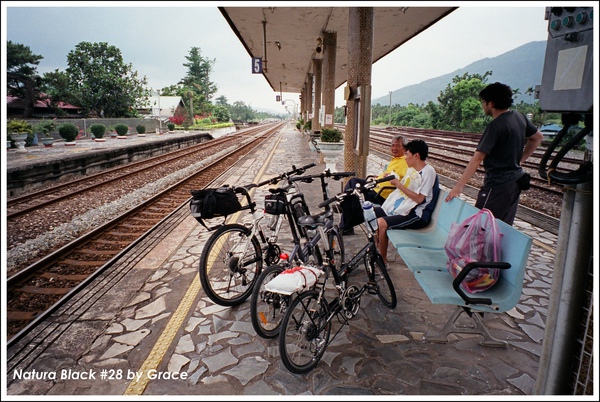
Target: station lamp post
285, 101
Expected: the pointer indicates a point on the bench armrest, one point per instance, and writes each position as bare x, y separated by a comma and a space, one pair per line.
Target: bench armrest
386, 188
463, 274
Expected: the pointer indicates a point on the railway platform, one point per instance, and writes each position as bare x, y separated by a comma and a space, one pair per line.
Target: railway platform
145, 327
39, 165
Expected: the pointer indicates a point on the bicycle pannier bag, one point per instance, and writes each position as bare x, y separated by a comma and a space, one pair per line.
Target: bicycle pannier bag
275, 204
477, 238
210, 203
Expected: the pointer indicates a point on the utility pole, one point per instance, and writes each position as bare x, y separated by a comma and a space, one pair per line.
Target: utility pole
390, 113
159, 112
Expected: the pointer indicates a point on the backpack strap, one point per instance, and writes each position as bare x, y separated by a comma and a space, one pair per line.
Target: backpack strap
428, 210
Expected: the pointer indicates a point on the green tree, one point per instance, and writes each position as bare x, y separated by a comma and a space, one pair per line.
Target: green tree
197, 80
433, 111
339, 116
406, 115
22, 80
459, 105
171, 90
240, 111
221, 100
55, 86
102, 83
221, 113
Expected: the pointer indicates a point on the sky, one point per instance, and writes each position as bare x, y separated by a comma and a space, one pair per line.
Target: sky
156, 38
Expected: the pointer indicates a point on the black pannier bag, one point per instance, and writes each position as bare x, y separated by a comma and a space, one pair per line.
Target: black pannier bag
275, 204
211, 203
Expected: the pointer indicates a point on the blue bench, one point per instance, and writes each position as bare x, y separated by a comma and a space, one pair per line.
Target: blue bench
423, 253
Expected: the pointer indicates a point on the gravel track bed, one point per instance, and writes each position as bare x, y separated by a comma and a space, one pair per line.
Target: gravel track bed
106, 204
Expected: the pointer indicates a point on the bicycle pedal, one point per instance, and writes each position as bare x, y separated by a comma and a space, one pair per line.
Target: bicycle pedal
372, 288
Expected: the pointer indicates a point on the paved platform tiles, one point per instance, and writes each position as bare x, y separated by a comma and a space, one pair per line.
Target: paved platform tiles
158, 318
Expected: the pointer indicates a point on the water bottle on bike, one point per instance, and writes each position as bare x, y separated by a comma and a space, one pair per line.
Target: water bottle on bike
370, 217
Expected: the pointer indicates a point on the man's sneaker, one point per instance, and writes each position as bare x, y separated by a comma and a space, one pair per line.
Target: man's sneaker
348, 232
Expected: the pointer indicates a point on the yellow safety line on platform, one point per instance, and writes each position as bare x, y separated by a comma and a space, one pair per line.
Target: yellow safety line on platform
139, 384
544, 246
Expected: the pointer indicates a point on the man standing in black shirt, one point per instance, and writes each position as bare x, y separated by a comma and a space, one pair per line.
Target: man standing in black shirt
506, 143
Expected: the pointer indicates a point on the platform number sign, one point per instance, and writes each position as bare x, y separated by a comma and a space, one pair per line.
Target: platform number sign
257, 65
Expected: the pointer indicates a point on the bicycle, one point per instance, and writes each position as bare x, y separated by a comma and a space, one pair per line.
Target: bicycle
267, 308
306, 326
233, 255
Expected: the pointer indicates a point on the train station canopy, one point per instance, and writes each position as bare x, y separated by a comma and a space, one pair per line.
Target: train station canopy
288, 37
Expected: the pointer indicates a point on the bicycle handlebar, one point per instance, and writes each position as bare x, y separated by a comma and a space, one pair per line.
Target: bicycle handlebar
325, 174
244, 189
294, 171
369, 185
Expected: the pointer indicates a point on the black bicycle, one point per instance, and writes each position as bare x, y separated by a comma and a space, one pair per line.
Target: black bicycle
306, 325
234, 254
267, 308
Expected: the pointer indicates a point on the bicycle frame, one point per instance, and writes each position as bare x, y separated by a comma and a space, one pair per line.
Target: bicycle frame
346, 303
302, 252
348, 297
268, 307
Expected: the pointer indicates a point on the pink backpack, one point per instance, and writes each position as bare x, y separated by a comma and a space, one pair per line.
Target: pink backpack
477, 238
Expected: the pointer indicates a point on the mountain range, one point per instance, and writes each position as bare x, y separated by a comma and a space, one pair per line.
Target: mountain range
520, 68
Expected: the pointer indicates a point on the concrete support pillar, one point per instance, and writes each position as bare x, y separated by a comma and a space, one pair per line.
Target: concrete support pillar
566, 318
317, 75
329, 54
358, 117
303, 102
310, 98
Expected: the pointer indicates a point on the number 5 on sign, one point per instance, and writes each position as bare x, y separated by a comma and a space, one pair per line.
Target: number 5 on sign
257, 65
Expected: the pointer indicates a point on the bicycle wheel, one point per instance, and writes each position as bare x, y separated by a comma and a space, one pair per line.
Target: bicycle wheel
336, 244
304, 333
229, 265
378, 274
267, 308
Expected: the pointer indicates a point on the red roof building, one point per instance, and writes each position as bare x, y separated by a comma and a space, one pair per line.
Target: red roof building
15, 108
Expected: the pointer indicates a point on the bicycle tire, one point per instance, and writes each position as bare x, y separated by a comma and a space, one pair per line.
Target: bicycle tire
336, 243
385, 287
228, 279
267, 308
304, 333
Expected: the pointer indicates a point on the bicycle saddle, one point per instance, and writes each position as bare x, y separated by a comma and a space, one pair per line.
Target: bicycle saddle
280, 190
316, 220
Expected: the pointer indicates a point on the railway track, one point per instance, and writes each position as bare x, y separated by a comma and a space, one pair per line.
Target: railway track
33, 201
39, 212
42, 287
35, 213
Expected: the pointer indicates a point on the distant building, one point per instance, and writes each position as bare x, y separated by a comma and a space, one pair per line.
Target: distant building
15, 108
164, 107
